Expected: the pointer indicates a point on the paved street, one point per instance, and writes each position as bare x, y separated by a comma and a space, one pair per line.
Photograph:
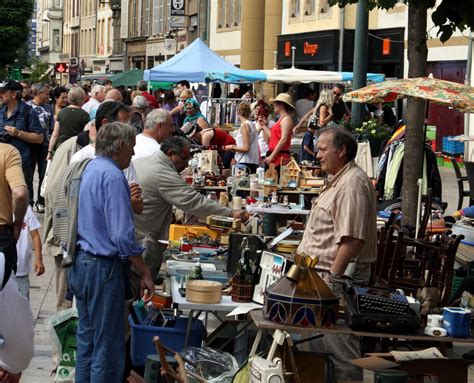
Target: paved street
43, 303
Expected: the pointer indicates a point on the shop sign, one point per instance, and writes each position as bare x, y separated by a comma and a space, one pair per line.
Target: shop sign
177, 22
177, 8
138, 59
386, 47
287, 48
310, 49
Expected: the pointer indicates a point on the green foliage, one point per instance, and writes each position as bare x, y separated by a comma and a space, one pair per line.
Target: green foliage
14, 28
372, 129
39, 68
448, 16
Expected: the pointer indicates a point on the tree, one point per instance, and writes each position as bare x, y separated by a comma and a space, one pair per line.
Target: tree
14, 28
448, 16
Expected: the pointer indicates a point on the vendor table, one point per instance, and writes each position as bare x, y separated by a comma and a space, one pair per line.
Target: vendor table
195, 309
276, 210
279, 191
261, 323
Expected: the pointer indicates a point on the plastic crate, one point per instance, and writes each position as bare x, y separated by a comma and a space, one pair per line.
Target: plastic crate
172, 337
452, 147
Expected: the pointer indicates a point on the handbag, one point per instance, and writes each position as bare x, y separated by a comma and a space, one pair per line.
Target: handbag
45, 179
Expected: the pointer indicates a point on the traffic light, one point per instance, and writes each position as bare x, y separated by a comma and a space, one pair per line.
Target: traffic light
60, 67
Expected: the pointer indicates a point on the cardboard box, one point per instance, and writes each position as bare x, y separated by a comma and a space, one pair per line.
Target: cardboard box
446, 370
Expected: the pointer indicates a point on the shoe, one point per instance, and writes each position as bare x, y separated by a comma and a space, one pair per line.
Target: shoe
40, 208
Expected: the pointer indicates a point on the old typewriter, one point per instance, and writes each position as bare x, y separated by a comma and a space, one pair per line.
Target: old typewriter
377, 309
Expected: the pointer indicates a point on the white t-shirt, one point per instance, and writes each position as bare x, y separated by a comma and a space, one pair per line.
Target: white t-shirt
89, 152
91, 104
302, 107
23, 247
262, 144
145, 146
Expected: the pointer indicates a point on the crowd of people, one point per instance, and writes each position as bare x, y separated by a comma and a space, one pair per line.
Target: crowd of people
109, 163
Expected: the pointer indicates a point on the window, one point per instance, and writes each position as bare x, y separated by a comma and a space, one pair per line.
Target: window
309, 7
147, 18
229, 13
324, 6
294, 8
221, 13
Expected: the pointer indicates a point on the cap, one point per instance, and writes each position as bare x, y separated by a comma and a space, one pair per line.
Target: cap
189, 129
11, 85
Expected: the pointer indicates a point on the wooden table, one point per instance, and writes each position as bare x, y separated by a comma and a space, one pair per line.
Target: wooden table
341, 328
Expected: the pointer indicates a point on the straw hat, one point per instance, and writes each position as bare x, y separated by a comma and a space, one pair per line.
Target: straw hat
284, 98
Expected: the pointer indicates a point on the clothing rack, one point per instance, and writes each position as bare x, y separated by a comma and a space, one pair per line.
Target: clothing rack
222, 111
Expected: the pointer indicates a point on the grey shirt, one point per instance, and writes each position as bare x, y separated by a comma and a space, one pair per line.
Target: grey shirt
162, 189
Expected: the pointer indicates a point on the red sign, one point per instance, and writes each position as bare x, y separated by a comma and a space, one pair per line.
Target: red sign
310, 49
60, 67
287, 48
386, 48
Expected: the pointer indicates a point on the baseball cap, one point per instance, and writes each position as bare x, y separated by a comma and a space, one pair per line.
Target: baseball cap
11, 85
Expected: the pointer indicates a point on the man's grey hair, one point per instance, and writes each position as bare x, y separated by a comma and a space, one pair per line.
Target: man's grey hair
76, 96
175, 144
40, 88
142, 85
111, 136
140, 102
155, 117
341, 137
96, 89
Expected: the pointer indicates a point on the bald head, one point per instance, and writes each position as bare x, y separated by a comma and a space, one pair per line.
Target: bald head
114, 95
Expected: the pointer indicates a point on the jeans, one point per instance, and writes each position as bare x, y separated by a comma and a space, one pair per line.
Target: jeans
24, 285
38, 158
98, 285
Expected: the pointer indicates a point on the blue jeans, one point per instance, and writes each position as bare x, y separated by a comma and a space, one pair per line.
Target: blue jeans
98, 285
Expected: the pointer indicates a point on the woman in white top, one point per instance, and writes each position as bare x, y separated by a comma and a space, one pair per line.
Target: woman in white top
263, 126
246, 147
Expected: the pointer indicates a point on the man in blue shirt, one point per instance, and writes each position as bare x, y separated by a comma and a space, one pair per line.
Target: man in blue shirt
19, 124
105, 241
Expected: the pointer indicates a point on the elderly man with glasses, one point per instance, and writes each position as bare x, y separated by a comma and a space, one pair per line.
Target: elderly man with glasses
163, 187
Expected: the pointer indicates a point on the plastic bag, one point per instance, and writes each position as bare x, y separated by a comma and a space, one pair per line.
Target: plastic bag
62, 329
215, 366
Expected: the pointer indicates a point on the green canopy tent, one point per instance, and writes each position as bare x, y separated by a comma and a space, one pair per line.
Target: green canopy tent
130, 79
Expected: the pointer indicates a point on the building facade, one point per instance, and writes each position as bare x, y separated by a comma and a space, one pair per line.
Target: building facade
50, 30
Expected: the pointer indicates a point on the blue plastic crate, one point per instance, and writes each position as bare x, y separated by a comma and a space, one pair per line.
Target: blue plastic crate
172, 337
452, 147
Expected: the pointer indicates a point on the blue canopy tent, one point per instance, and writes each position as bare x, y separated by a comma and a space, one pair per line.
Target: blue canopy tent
195, 63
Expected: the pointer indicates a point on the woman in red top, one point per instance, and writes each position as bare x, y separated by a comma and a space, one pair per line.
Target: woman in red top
280, 133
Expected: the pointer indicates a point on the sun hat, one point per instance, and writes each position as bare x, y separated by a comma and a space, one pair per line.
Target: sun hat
284, 98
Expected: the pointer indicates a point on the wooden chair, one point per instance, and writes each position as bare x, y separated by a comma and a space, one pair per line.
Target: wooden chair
412, 264
461, 179
172, 376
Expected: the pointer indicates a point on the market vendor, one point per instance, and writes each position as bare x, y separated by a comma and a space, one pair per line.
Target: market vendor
210, 137
341, 231
163, 187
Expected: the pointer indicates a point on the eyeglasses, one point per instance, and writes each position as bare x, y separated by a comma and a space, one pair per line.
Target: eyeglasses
337, 94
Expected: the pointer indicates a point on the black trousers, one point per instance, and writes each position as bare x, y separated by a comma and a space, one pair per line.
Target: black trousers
8, 247
38, 159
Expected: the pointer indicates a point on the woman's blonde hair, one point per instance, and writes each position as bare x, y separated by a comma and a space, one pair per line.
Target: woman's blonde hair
185, 94
326, 97
244, 109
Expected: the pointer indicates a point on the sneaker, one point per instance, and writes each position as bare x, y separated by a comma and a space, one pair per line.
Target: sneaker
40, 208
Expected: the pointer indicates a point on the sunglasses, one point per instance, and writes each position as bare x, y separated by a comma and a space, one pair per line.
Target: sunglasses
337, 94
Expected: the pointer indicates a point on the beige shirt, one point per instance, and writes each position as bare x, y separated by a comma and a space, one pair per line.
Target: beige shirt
346, 207
11, 176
